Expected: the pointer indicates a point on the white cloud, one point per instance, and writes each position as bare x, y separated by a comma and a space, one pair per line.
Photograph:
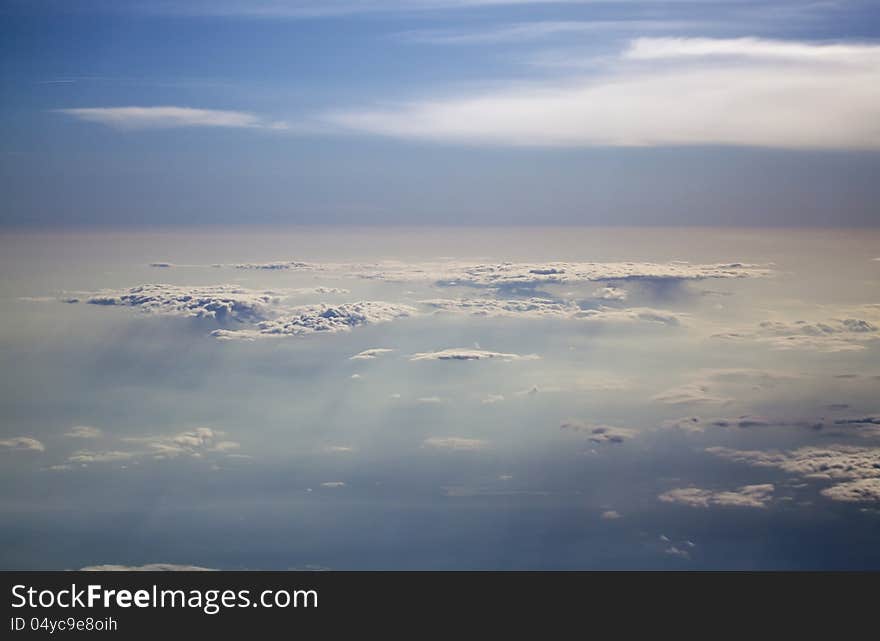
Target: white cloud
333, 484
830, 335
221, 302
610, 515
470, 354
167, 117
854, 470
690, 393
702, 91
321, 318
599, 433
543, 308
697, 424
83, 431
449, 273
194, 443
22, 444
491, 399
150, 567
756, 496
371, 354
429, 400
111, 456
455, 443
610, 293
530, 31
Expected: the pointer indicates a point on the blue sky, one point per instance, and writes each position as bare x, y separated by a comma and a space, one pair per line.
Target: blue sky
446, 111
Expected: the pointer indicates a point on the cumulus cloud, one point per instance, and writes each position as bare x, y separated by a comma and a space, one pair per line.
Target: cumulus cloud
544, 308
111, 456
149, 567
192, 443
833, 335
21, 444
854, 470
665, 91
83, 431
371, 354
697, 424
220, 302
599, 433
470, 354
610, 293
757, 496
456, 443
690, 393
322, 318
449, 273
167, 117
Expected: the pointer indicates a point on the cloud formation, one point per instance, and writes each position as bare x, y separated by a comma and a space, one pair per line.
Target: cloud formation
470, 354
854, 470
519, 275
756, 496
220, 302
83, 431
149, 567
168, 117
599, 433
455, 443
21, 444
321, 318
371, 354
665, 91
832, 335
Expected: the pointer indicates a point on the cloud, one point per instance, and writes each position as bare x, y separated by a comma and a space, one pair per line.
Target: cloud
610, 515
697, 424
371, 354
21, 444
522, 275
167, 117
531, 31
83, 431
456, 443
661, 92
333, 484
88, 456
470, 354
220, 302
491, 399
610, 293
322, 318
854, 470
192, 443
756, 496
599, 433
150, 567
543, 308
690, 393
832, 335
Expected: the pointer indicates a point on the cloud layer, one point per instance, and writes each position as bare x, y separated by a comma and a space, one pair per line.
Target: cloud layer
666, 91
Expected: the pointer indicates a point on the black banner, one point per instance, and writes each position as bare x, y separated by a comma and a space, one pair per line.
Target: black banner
124, 604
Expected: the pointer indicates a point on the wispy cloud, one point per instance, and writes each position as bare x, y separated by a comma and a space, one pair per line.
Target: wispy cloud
532, 31
661, 92
168, 117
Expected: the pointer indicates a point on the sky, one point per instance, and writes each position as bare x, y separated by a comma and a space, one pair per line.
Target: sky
731, 113
343, 398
